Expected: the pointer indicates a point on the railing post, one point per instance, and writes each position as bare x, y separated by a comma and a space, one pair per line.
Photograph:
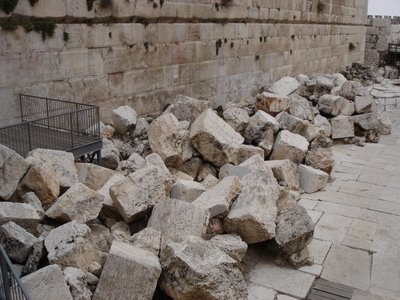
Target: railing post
5, 277
77, 120
47, 113
72, 131
29, 136
20, 107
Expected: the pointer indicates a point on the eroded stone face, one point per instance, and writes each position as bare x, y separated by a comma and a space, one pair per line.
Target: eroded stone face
124, 119
290, 146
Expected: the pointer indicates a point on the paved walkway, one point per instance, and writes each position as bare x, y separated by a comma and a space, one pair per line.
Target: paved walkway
357, 234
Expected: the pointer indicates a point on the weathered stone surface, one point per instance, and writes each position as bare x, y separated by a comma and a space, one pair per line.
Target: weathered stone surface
148, 238
165, 139
253, 214
120, 231
109, 155
247, 151
186, 190
101, 237
47, 283
79, 203
323, 125
32, 199
76, 280
290, 146
312, 180
17, 242
230, 244
108, 203
300, 108
36, 259
291, 123
137, 194
294, 229
141, 128
285, 172
210, 181
259, 124
349, 89
272, 103
367, 121
384, 126
128, 270
215, 227
191, 167
106, 131
93, 176
12, 168
323, 85
218, 199
339, 79
285, 86
347, 108
218, 143
321, 142
188, 109
238, 118
154, 159
267, 142
124, 119
205, 170
208, 272
363, 104
62, 164
320, 158
330, 104
23, 214
69, 246
176, 219
342, 127
300, 259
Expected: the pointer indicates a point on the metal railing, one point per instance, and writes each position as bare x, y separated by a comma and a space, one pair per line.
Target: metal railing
11, 287
54, 124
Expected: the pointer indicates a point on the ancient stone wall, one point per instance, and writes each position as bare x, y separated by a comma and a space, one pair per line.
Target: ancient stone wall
143, 53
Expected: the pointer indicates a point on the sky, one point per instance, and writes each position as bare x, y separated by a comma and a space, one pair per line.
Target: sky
384, 7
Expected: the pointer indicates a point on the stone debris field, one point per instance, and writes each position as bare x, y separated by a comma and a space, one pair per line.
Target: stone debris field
255, 199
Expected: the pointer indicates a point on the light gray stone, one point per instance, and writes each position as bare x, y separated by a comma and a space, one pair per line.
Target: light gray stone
291, 123
267, 142
349, 89
272, 103
124, 119
76, 280
12, 168
236, 117
285, 86
259, 124
384, 126
323, 85
109, 155
342, 127
32, 199
36, 258
230, 244
290, 146
108, 203
300, 108
368, 121
79, 203
205, 170
93, 176
323, 125
47, 283
339, 79
17, 242
148, 238
347, 108
320, 158
188, 109
218, 200
285, 171
22, 214
128, 270
312, 180
247, 151
330, 104
210, 181
218, 143
203, 263
100, 236
187, 190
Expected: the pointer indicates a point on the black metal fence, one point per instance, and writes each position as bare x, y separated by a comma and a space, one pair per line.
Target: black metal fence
11, 287
54, 124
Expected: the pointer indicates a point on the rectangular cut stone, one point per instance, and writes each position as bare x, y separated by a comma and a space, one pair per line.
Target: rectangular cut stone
332, 227
342, 127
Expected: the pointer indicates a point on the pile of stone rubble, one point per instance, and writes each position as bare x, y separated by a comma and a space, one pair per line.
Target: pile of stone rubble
180, 197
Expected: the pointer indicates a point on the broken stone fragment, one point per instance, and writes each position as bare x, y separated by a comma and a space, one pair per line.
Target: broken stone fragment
350, 89
342, 127
367, 121
312, 180
230, 244
363, 104
188, 109
76, 280
186, 190
291, 123
93, 176
130, 272
285, 171
205, 170
285, 86
101, 237
320, 158
124, 119
62, 163
259, 124
300, 108
219, 143
301, 258
109, 155
149, 239
323, 85
321, 142
347, 108
36, 259
272, 103
12, 168
290, 146
198, 269
47, 283
267, 142
323, 125
210, 181
22, 214
218, 199
79, 203
17, 242
109, 208
384, 126
238, 118
32, 199
247, 151
330, 104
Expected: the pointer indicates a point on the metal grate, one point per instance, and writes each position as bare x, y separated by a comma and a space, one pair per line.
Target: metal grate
11, 287
327, 290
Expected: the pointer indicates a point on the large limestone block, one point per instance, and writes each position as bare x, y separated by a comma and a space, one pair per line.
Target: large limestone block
285, 172
367, 121
259, 124
109, 155
253, 214
323, 85
149, 239
17, 242
69, 245
216, 141
347, 108
47, 283
272, 103
165, 139
79, 203
108, 203
330, 104
289, 146
291, 123
62, 164
363, 104
300, 108
77, 282
350, 89
218, 199
294, 229
23, 214
238, 118
285, 86
93, 176
124, 119
247, 151
230, 244
32, 199
187, 190
12, 168
42, 180
320, 158
188, 109
384, 126
197, 269
312, 180
176, 219
129, 272
342, 127
323, 125
137, 194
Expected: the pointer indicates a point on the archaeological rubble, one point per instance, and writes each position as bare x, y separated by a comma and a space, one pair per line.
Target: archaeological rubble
215, 118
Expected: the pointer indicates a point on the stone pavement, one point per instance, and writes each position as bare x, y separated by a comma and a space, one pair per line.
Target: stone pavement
357, 234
